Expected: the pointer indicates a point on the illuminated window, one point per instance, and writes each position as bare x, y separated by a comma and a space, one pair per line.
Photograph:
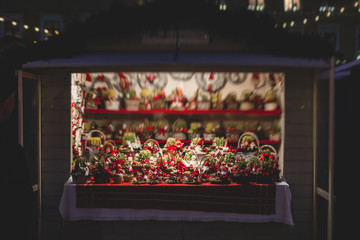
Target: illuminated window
11, 25
222, 5
291, 5
256, 5
51, 25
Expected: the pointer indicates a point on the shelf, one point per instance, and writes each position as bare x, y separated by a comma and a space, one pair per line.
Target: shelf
186, 112
261, 142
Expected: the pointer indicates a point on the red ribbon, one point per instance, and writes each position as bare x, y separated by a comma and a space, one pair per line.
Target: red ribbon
172, 148
88, 77
161, 131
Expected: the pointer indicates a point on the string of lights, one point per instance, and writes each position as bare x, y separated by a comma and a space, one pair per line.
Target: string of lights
27, 27
325, 12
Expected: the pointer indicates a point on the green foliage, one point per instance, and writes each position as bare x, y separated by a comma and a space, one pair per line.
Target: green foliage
230, 157
170, 141
220, 142
144, 155
128, 136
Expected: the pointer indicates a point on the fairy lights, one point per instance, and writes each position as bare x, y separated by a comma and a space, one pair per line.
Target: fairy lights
16, 23
326, 11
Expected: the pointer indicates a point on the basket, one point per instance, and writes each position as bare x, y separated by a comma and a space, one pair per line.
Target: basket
117, 178
88, 152
203, 105
272, 149
112, 105
109, 141
244, 104
178, 134
209, 136
155, 142
158, 104
193, 135
132, 104
128, 178
270, 103
218, 105
248, 154
90, 104
232, 105
270, 106
164, 134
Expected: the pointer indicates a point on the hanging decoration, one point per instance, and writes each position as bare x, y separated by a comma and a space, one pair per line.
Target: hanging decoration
258, 80
152, 80
210, 81
236, 77
181, 76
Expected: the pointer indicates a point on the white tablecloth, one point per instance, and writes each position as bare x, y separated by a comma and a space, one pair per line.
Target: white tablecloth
70, 212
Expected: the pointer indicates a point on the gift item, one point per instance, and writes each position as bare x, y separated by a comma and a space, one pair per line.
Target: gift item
132, 102
270, 102
179, 129
111, 100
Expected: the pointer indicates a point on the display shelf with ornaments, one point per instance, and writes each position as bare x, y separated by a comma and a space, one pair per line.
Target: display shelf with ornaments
188, 112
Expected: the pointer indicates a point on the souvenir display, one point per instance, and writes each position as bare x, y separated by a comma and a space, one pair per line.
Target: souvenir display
152, 134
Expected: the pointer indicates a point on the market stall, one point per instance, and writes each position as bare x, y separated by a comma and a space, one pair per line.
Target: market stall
213, 132
100, 158
217, 164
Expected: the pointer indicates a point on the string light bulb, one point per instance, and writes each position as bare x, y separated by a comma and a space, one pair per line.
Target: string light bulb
37, 29
26, 26
305, 21
14, 23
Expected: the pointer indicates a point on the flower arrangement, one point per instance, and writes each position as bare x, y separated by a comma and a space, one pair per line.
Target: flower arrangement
162, 130
230, 101
209, 133
132, 102
173, 145
158, 100
219, 141
111, 100
128, 138
179, 129
92, 99
270, 102
146, 129
216, 102
101, 172
140, 179
193, 131
232, 133
241, 172
250, 100
203, 102
214, 164
274, 133
80, 171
